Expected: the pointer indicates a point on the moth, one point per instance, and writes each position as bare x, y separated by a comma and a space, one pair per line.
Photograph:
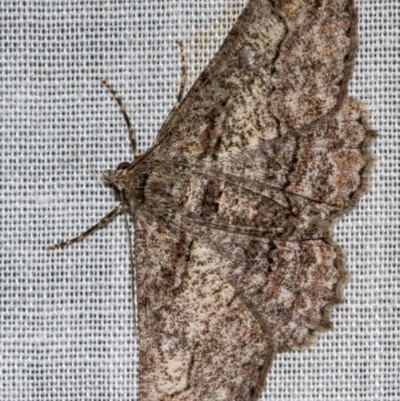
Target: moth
235, 202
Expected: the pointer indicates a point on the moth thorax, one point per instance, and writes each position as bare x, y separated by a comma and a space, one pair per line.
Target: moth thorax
162, 188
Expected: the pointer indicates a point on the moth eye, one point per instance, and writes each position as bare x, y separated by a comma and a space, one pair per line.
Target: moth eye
123, 165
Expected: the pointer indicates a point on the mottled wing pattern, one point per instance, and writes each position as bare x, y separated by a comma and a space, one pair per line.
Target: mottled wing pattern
198, 339
282, 151
284, 65
275, 152
275, 207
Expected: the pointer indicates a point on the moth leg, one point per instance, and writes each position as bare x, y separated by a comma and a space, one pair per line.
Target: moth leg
181, 87
184, 71
103, 222
132, 133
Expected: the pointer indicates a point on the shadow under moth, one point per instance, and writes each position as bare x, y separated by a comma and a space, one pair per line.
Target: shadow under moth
235, 202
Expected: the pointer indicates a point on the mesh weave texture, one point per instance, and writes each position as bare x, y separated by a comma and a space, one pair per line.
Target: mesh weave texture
65, 316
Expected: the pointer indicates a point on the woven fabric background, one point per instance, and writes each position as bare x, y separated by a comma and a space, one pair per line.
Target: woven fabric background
65, 316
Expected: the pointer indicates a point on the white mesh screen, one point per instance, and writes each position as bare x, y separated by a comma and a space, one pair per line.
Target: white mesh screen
65, 317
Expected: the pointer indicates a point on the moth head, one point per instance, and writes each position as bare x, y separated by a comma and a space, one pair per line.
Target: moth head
117, 177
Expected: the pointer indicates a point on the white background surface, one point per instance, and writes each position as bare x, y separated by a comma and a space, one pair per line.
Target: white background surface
65, 317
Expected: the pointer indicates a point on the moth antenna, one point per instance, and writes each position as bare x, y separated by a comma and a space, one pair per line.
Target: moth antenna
132, 132
183, 69
103, 222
